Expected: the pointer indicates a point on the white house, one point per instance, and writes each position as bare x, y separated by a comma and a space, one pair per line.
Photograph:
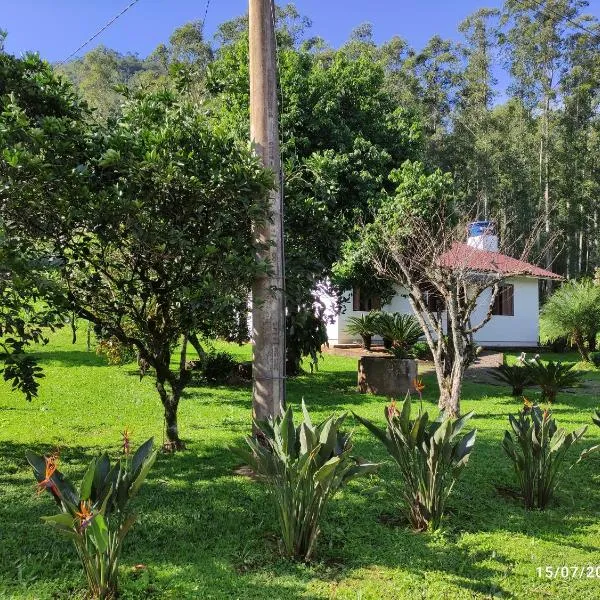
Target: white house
515, 318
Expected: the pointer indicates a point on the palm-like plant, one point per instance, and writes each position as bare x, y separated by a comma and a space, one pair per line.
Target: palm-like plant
401, 332
553, 377
537, 453
303, 467
364, 326
573, 311
431, 458
518, 377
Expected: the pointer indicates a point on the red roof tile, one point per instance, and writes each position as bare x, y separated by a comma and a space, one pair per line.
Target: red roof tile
464, 256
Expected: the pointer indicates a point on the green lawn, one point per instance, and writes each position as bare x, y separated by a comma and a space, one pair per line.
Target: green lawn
204, 532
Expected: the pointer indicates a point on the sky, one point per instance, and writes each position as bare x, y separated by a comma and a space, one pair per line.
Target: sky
55, 28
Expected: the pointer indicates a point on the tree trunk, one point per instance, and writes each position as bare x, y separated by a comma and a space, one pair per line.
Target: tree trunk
592, 342
170, 402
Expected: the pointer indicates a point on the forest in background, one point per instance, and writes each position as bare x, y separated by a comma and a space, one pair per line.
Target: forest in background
525, 150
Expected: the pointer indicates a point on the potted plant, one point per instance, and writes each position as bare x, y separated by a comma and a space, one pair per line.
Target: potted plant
392, 374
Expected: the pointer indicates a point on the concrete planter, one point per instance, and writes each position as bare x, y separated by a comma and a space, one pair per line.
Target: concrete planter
386, 375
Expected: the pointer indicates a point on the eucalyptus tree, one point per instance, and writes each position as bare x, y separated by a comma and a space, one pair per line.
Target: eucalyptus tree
537, 35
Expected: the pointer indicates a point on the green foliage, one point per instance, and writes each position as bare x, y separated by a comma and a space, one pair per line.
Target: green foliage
431, 458
538, 452
553, 377
402, 330
573, 311
422, 351
151, 218
595, 359
96, 518
365, 326
116, 352
218, 367
303, 466
517, 376
306, 335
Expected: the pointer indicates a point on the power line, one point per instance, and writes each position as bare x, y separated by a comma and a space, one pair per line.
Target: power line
205, 14
103, 29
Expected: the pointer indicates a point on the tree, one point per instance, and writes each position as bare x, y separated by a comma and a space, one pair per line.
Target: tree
149, 222
414, 242
30, 301
573, 311
341, 134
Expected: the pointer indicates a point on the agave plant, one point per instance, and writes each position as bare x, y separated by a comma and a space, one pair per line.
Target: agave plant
400, 332
431, 458
537, 452
518, 377
96, 518
364, 326
303, 466
553, 377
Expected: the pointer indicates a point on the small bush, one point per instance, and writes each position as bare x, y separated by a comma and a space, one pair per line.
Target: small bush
116, 352
431, 458
595, 359
400, 332
364, 326
303, 467
422, 351
218, 367
537, 453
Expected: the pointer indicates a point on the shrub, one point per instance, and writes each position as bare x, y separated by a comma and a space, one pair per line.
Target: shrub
596, 448
537, 453
404, 332
573, 311
116, 352
422, 351
365, 326
303, 466
553, 377
595, 359
430, 456
518, 377
218, 367
96, 518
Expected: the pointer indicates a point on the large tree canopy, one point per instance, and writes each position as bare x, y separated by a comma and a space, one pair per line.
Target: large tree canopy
148, 221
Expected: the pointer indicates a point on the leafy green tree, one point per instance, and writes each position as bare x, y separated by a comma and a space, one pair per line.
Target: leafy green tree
30, 299
341, 134
573, 311
149, 221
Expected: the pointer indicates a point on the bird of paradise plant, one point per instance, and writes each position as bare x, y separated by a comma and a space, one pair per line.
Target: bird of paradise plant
96, 518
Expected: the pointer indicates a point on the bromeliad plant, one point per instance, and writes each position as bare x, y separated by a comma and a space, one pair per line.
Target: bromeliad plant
537, 452
96, 517
303, 467
431, 457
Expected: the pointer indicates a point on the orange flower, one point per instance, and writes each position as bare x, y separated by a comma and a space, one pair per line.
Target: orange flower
392, 410
527, 404
50, 469
546, 415
84, 516
418, 385
126, 441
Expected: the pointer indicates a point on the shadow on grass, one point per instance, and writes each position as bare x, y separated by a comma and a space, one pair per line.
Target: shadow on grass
71, 358
204, 531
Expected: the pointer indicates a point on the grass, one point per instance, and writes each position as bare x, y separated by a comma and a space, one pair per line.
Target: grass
204, 532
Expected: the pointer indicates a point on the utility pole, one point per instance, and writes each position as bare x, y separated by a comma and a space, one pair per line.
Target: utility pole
268, 306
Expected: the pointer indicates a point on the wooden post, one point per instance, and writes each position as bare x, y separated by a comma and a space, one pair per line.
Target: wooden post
268, 306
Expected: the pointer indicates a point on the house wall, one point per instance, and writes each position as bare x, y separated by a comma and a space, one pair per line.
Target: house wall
520, 330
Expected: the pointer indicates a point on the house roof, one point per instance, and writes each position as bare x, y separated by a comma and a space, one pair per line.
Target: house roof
462, 255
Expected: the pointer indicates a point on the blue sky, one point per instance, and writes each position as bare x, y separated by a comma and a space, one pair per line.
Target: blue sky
56, 28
